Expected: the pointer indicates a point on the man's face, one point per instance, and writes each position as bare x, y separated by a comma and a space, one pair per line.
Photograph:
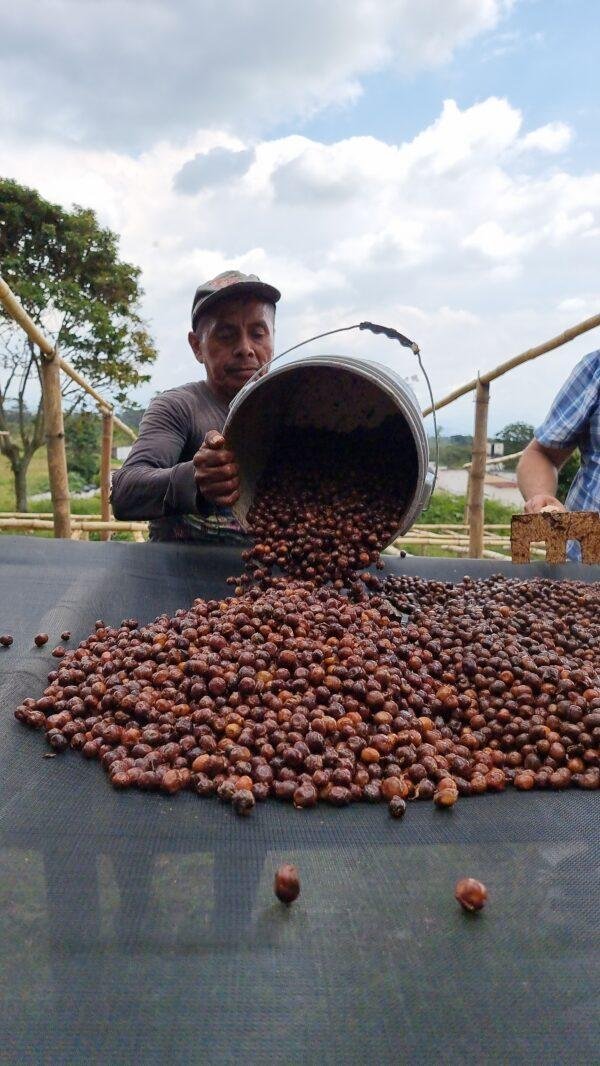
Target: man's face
233, 340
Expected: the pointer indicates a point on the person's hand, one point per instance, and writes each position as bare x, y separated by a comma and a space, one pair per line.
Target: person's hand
215, 471
543, 502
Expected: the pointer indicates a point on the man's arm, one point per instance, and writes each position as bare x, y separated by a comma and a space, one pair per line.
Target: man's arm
537, 475
152, 482
559, 434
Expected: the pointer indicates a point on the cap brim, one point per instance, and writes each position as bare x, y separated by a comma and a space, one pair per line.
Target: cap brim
268, 293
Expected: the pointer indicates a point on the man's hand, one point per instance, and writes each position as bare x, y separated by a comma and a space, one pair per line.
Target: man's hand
215, 471
543, 502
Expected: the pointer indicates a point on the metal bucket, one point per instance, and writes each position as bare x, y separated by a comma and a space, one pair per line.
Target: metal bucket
331, 392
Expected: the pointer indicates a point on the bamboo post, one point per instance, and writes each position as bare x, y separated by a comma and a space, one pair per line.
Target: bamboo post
107, 435
467, 497
477, 478
55, 446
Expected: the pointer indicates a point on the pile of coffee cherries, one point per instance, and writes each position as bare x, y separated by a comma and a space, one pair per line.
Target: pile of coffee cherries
393, 690
328, 684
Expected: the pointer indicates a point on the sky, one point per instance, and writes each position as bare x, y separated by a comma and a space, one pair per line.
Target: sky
430, 165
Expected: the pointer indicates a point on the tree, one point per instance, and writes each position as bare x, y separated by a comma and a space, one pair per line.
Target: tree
65, 269
515, 436
82, 439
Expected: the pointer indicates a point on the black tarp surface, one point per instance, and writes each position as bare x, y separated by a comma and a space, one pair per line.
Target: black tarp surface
136, 928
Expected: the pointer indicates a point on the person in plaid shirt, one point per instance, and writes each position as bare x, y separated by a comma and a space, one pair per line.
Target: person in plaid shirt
572, 422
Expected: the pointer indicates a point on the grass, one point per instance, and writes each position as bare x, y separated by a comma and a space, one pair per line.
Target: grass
37, 481
448, 507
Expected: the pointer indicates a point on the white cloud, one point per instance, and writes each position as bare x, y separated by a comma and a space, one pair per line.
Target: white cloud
494, 242
212, 169
167, 67
588, 303
446, 236
554, 137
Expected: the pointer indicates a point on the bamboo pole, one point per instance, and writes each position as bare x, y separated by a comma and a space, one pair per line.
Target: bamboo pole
55, 447
85, 525
420, 528
16, 311
47, 515
467, 497
517, 360
107, 436
477, 478
497, 459
458, 525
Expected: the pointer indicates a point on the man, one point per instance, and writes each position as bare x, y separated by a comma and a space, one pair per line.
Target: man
178, 473
572, 422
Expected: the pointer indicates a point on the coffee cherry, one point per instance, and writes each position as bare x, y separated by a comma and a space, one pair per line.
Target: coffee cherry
243, 801
397, 807
471, 894
287, 883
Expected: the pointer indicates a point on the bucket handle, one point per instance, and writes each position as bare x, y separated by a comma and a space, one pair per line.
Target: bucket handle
373, 327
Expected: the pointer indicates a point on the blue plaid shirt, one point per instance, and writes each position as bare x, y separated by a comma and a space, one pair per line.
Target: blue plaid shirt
574, 422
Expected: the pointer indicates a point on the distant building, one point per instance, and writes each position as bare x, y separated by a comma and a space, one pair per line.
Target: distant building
121, 452
494, 448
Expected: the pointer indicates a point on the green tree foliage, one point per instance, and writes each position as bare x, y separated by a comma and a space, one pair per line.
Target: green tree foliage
83, 430
131, 416
65, 269
516, 436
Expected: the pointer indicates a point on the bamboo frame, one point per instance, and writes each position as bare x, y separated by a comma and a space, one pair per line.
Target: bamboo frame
477, 473
479, 539
107, 436
517, 360
497, 459
16, 311
85, 525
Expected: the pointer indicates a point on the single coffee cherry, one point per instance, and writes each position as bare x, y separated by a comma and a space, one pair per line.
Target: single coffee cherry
66, 635
471, 894
397, 806
446, 797
6, 640
287, 883
243, 801
40, 639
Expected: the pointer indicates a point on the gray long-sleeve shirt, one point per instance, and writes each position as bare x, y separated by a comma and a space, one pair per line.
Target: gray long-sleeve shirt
156, 480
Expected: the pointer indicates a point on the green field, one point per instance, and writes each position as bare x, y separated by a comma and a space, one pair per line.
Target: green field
446, 507
37, 481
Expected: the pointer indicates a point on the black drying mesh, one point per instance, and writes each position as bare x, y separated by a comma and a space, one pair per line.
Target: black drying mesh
140, 928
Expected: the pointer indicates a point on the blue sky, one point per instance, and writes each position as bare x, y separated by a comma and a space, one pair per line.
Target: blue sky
543, 55
431, 165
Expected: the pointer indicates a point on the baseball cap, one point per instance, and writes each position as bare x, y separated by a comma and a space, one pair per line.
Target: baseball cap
230, 283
